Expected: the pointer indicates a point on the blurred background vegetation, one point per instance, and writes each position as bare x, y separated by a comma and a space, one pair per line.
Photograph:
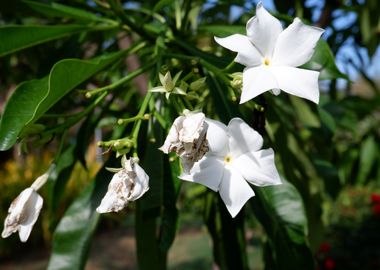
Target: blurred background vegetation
334, 146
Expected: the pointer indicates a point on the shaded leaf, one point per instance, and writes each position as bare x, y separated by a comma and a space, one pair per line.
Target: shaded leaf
72, 238
368, 155
58, 10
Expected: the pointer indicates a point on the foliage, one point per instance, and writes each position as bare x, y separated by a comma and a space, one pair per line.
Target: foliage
352, 238
83, 68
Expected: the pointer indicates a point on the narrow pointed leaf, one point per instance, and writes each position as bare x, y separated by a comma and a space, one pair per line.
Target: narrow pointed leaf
58, 10
18, 37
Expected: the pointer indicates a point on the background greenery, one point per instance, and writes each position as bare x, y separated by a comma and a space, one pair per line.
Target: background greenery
54, 53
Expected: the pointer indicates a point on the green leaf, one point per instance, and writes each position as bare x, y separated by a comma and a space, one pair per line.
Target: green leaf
60, 175
148, 208
58, 10
71, 240
368, 154
162, 3
37, 96
323, 61
18, 37
169, 220
222, 30
281, 212
228, 235
327, 119
304, 112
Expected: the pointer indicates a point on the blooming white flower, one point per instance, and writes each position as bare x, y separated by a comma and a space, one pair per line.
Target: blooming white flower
272, 54
187, 137
234, 158
128, 184
23, 214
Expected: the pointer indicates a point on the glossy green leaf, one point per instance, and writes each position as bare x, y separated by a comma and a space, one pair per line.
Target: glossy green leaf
323, 61
280, 210
18, 37
73, 235
38, 96
58, 10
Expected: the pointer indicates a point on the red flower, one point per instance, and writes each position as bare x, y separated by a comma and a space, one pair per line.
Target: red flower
324, 247
375, 198
329, 264
376, 209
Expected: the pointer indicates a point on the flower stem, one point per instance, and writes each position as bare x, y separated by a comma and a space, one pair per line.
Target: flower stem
137, 125
41, 180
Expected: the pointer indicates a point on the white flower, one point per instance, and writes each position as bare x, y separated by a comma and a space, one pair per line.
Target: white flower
234, 158
22, 214
128, 184
272, 54
187, 137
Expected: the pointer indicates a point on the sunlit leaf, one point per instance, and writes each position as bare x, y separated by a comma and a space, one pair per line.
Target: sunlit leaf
37, 96
280, 210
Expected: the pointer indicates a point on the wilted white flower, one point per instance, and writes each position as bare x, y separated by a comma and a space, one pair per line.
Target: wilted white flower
234, 158
272, 54
168, 85
22, 214
187, 137
128, 184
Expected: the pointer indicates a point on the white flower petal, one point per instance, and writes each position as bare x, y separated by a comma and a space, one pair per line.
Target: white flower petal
243, 138
263, 31
33, 208
23, 214
248, 55
172, 140
208, 172
141, 183
257, 80
298, 82
258, 167
217, 138
117, 193
235, 191
295, 45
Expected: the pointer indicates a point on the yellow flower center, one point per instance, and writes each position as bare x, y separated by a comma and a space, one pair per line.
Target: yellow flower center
228, 159
266, 62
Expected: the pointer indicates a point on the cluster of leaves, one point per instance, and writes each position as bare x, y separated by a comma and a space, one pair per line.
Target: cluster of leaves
56, 49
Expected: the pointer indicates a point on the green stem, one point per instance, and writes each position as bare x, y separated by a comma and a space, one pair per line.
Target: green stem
137, 125
124, 121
